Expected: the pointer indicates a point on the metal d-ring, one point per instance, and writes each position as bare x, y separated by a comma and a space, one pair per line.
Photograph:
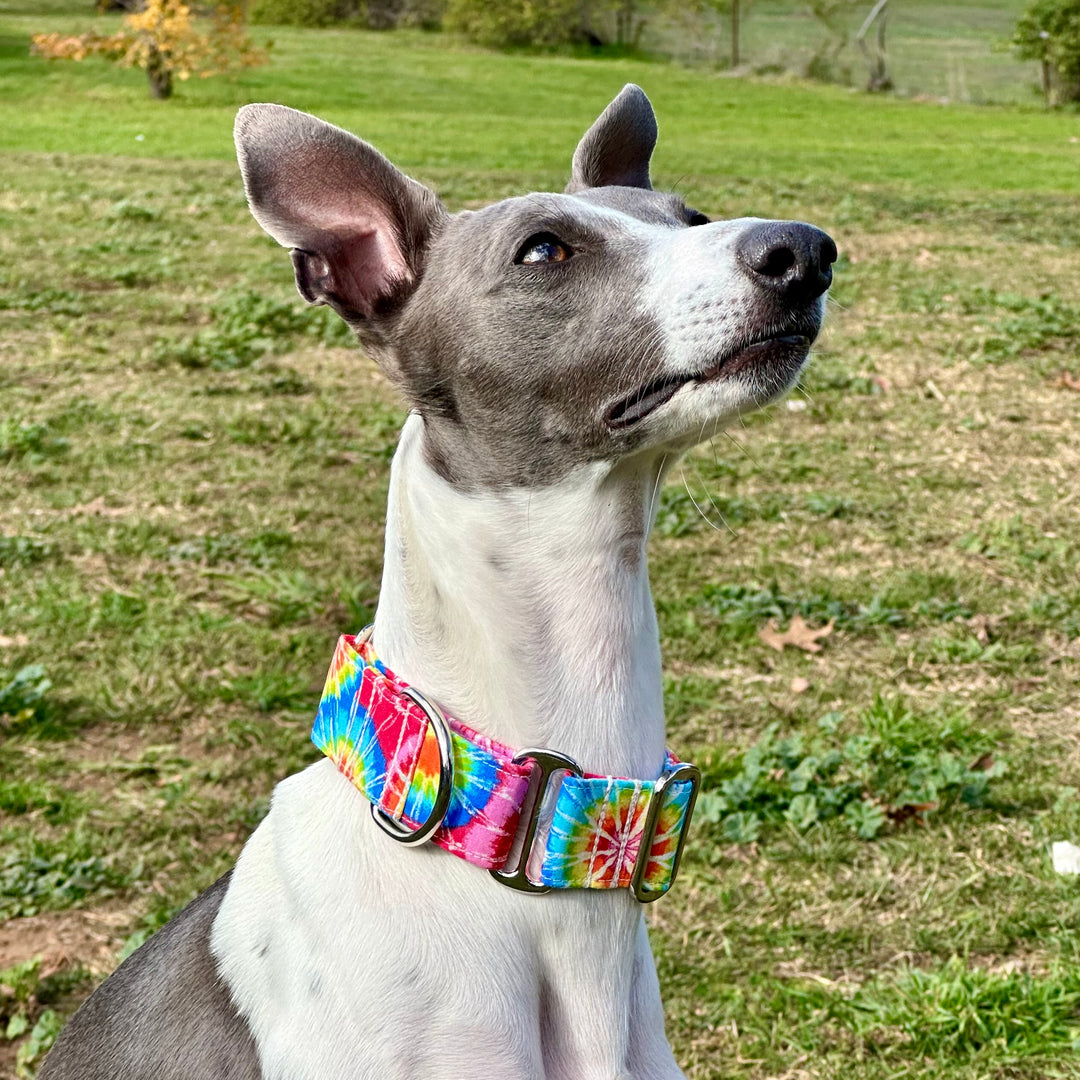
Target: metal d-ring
439, 724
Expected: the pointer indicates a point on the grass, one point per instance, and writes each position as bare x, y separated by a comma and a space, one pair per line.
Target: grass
192, 477
952, 52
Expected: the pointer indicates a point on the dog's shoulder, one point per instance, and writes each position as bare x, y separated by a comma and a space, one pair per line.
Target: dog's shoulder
163, 1014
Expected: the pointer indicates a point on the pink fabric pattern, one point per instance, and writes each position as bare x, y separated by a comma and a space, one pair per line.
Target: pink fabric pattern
592, 827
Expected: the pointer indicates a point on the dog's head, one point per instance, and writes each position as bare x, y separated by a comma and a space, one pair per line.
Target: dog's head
549, 330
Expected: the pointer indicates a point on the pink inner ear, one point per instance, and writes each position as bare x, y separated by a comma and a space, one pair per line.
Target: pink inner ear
356, 221
360, 250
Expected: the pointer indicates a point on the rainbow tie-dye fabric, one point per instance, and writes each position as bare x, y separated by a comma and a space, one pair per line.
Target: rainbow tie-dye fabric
591, 827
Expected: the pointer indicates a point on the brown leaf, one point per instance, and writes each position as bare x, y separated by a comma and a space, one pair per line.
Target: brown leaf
982, 764
899, 814
799, 685
798, 634
1026, 686
1068, 381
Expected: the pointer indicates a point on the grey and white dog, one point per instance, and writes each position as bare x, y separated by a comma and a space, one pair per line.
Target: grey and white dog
558, 352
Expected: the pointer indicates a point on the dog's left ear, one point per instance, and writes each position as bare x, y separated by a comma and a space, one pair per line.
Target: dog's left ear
617, 148
358, 227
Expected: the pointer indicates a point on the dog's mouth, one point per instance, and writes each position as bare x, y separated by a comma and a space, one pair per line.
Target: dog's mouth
780, 352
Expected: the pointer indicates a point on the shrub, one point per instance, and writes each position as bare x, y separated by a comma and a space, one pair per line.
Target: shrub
1049, 31
161, 38
302, 12
517, 22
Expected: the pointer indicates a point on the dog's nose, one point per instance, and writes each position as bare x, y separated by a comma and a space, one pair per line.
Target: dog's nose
789, 257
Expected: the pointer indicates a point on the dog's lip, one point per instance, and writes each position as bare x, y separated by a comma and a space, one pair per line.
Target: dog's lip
647, 399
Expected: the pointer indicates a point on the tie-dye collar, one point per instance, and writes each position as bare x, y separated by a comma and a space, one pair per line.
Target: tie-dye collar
588, 831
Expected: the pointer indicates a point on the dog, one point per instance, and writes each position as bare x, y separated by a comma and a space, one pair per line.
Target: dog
558, 352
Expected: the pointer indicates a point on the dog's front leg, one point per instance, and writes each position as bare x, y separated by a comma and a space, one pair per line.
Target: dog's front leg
650, 1052
601, 1017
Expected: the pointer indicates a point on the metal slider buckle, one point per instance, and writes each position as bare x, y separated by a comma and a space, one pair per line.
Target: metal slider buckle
415, 837
549, 761
682, 771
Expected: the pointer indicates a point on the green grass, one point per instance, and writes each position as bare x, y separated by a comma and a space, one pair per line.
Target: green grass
192, 477
952, 52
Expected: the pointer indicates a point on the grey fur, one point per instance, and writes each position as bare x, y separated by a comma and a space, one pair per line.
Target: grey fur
616, 150
518, 370
164, 1014
466, 332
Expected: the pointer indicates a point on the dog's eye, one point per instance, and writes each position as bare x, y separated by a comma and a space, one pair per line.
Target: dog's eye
542, 248
695, 217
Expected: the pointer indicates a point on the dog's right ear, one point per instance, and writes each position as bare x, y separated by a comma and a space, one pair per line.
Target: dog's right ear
358, 228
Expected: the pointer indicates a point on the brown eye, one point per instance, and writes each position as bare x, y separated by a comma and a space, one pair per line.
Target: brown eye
695, 217
543, 248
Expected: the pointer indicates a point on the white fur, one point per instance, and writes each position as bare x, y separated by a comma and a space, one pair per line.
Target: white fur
527, 613
415, 941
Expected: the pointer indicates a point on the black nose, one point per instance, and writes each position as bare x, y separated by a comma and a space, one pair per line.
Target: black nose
788, 257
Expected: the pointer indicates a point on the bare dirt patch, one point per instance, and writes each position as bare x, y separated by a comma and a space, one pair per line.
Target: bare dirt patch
90, 939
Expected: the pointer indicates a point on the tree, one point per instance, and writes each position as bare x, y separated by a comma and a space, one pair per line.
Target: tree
163, 39
876, 57
734, 10
1049, 31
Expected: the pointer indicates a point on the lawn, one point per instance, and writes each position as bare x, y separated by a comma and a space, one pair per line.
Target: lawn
947, 51
868, 893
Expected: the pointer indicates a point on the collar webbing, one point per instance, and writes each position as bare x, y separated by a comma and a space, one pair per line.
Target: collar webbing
590, 830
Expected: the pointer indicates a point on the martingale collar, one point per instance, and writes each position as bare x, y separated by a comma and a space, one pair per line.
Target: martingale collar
432, 778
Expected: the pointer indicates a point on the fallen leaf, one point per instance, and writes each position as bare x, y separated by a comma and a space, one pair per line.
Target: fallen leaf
19, 641
1026, 686
798, 634
982, 764
1068, 381
899, 814
799, 685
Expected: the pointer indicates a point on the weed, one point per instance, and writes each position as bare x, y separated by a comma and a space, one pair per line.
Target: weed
741, 610
245, 326
1030, 324
20, 796
23, 698
896, 766
24, 550
42, 1036
47, 876
34, 442
24, 990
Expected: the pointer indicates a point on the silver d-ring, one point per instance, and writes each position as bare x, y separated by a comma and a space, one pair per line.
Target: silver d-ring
439, 724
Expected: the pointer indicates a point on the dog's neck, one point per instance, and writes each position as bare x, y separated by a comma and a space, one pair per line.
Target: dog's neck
526, 613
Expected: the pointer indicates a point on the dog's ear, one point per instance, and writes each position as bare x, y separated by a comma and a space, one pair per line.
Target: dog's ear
358, 228
617, 148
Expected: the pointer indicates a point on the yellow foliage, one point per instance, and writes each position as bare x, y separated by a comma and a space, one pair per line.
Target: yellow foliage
163, 39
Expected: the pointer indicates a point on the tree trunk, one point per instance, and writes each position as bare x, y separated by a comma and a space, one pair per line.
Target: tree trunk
734, 33
159, 74
879, 79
